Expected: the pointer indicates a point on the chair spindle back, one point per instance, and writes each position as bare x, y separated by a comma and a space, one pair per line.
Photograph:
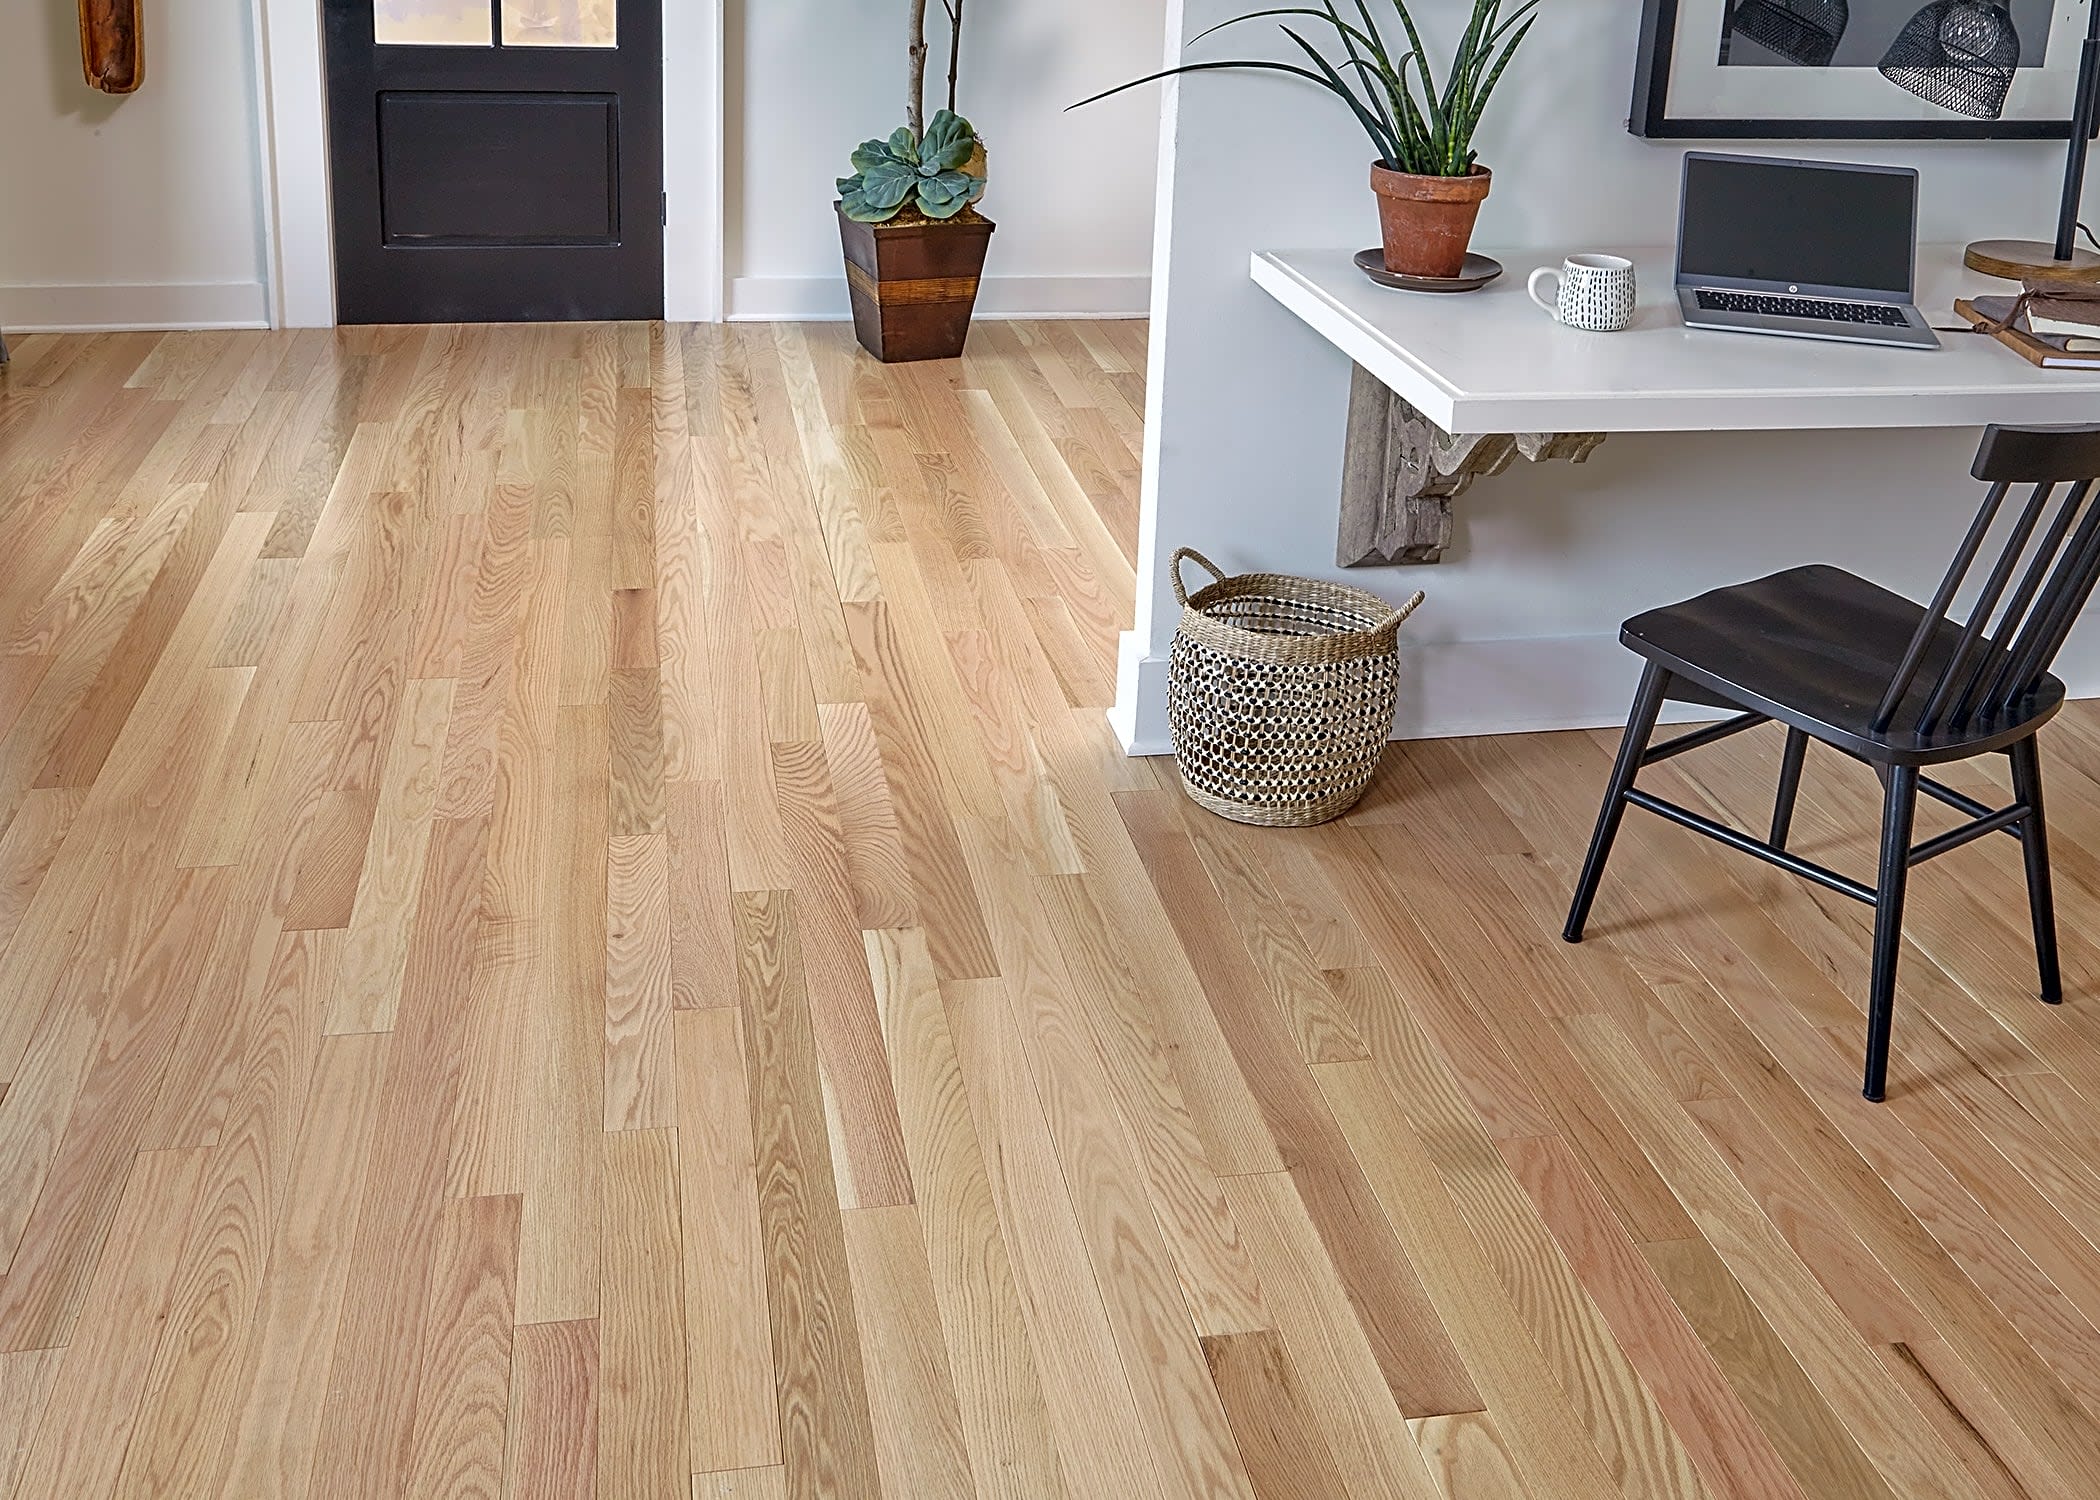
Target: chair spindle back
2008, 641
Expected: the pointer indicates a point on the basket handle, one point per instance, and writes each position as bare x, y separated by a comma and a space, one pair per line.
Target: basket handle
1401, 612
1190, 554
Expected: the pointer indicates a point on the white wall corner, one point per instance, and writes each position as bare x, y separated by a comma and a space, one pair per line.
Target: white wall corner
1139, 717
294, 132
1145, 722
265, 159
694, 166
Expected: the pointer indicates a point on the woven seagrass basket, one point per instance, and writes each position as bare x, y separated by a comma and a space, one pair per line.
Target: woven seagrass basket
1280, 693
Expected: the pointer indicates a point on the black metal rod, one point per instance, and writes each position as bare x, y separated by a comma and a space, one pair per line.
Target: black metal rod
1897, 816
1968, 833
1980, 615
1699, 738
1640, 726
2081, 135
1998, 696
1789, 792
1941, 792
2065, 597
1947, 794
2041, 900
1721, 833
1935, 612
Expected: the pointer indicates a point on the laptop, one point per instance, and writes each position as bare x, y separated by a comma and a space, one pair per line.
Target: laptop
1801, 249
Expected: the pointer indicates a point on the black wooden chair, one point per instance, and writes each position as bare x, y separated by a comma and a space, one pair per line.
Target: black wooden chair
1868, 672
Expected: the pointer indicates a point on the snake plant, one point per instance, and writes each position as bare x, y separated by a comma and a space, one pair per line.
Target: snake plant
1416, 123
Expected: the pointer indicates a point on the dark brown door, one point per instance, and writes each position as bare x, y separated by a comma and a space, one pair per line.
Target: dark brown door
496, 161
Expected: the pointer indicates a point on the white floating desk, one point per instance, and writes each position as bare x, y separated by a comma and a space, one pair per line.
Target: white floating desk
1493, 362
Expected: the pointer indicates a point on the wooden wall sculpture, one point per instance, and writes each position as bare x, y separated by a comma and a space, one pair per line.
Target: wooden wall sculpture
112, 45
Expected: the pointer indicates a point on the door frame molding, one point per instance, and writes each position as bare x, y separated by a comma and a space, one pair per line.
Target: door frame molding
300, 250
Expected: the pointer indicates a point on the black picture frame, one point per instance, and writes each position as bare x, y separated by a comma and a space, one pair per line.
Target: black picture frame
1651, 118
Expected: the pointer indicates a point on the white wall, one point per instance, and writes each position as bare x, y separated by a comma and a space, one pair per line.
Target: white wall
1072, 193
151, 210
141, 211
1247, 404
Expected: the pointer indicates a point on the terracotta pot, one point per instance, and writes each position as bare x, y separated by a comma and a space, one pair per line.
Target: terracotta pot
914, 283
1427, 221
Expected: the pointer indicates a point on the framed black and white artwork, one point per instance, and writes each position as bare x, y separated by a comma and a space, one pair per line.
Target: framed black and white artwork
1856, 69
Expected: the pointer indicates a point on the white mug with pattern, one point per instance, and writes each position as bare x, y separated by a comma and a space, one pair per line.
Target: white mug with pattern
1595, 292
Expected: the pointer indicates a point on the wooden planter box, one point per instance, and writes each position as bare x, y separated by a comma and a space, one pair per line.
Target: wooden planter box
914, 284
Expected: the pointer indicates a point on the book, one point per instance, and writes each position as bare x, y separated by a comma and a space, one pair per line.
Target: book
2077, 335
2050, 351
2067, 312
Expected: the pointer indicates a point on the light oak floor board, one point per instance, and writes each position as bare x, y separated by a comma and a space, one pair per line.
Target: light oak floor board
571, 929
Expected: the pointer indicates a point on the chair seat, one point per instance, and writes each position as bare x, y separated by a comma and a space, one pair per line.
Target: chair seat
1815, 648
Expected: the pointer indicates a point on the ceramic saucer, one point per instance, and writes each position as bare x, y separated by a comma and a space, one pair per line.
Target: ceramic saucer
1479, 271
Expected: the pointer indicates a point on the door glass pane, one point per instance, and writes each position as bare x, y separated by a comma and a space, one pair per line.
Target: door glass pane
432, 23
559, 23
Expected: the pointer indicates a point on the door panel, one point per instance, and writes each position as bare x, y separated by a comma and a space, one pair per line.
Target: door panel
448, 164
496, 182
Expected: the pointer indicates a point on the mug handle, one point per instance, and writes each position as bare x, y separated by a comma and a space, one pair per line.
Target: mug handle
1532, 286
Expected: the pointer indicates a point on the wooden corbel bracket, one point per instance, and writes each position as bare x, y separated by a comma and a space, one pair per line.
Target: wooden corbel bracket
1402, 472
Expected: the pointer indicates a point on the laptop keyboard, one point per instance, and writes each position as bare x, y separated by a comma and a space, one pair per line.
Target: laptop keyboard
1877, 313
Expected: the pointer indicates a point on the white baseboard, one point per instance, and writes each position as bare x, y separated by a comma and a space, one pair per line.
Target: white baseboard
1447, 688
116, 307
822, 299
1139, 719
1521, 686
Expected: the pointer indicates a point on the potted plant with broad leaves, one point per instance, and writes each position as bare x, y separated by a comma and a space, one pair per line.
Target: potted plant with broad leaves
914, 242
1425, 173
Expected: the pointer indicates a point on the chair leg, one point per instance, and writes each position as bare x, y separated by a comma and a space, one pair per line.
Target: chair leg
2034, 840
1899, 814
1789, 786
1640, 728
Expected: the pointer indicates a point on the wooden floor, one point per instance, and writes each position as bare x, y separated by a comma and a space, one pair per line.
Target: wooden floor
570, 925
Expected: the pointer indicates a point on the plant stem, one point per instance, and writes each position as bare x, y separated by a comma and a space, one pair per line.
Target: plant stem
955, 20
915, 90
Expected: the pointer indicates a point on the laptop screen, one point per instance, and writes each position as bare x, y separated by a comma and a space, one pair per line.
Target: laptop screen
1747, 219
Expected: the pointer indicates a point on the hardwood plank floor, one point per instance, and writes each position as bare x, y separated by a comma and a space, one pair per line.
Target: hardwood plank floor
570, 926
